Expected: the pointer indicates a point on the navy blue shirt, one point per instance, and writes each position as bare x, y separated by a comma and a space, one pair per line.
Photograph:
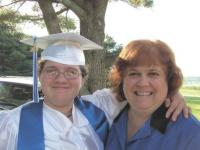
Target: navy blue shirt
157, 133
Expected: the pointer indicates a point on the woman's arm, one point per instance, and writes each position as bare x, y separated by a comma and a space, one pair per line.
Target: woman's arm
106, 100
177, 104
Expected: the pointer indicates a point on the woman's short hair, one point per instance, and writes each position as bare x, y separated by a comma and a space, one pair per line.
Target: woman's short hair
145, 53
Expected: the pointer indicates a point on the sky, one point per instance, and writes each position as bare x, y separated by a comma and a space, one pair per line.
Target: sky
172, 21
176, 22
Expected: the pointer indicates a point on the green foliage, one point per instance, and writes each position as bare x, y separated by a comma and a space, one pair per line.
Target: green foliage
112, 51
140, 3
190, 90
194, 103
148, 3
10, 16
13, 17
111, 46
15, 58
67, 23
191, 87
192, 96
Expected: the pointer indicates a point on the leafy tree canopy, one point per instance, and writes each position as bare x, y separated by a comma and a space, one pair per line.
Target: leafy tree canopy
15, 58
11, 14
110, 45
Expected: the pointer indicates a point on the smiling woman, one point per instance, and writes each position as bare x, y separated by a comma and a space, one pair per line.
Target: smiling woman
145, 88
145, 75
61, 115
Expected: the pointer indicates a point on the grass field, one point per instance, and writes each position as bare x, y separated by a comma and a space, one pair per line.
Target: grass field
192, 95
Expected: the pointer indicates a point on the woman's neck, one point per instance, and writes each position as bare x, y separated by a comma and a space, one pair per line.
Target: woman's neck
135, 121
64, 109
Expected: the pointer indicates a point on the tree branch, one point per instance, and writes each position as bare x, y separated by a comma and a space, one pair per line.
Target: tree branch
11, 3
38, 18
74, 7
21, 5
17, 1
61, 11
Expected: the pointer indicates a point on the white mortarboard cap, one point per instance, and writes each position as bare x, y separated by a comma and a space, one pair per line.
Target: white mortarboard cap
65, 48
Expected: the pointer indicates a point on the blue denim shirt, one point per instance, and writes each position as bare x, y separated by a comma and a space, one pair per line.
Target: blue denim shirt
156, 134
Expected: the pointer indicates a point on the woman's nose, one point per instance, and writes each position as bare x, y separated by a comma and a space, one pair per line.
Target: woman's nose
143, 81
61, 77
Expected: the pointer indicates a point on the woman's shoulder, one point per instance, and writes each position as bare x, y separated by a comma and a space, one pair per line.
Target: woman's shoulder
9, 124
10, 117
190, 121
101, 98
99, 93
191, 125
188, 131
193, 122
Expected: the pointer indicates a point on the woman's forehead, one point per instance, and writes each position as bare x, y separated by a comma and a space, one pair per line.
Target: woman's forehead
59, 65
147, 62
148, 67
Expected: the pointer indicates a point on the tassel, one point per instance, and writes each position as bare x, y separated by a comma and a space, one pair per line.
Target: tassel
35, 74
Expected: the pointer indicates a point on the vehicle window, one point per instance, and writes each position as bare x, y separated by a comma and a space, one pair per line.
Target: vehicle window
14, 94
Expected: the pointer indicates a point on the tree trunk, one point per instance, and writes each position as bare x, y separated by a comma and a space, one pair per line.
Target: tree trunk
92, 26
91, 14
50, 17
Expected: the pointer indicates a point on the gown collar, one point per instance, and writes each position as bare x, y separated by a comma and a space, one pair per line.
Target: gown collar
77, 119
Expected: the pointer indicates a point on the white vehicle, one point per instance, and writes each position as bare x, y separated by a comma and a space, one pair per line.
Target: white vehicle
15, 91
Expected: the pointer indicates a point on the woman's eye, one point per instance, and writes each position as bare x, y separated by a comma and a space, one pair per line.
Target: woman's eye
51, 72
133, 74
154, 74
72, 72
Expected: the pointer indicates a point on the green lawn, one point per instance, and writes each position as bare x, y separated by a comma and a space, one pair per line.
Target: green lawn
192, 95
194, 103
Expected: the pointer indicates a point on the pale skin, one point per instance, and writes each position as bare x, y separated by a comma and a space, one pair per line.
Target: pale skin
176, 107
59, 93
145, 89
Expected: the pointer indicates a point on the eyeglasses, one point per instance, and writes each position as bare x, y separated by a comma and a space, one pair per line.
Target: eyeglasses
53, 73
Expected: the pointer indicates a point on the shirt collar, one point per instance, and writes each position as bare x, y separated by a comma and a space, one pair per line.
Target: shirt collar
121, 129
158, 119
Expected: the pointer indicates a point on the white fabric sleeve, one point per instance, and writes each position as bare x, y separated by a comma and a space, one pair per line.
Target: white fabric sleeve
106, 101
8, 130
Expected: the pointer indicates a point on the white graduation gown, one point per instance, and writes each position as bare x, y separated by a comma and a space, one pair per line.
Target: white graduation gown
59, 131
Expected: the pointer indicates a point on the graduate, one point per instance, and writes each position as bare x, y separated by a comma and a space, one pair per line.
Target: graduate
62, 120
